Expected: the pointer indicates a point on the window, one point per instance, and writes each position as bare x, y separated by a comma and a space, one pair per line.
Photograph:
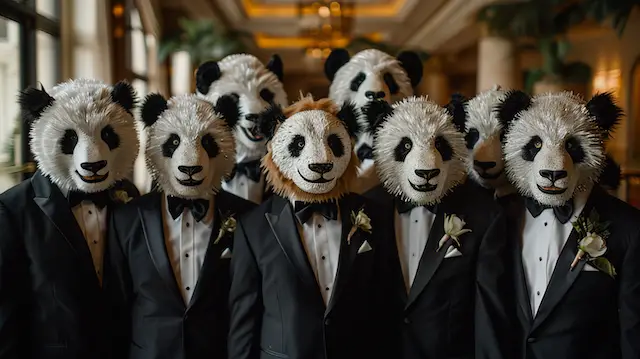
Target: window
29, 53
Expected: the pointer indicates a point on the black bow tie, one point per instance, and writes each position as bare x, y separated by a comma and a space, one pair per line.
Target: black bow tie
404, 207
198, 207
99, 199
563, 213
365, 152
304, 210
250, 169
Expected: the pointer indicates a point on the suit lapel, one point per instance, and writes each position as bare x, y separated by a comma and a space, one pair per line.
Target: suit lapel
55, 206
151, 218
285, 229
563, 276
522, 293
431, 259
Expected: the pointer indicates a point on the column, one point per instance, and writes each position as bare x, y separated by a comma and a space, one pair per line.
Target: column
497, 63
435, 83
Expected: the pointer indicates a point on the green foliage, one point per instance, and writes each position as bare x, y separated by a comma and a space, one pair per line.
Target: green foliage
603, 265
204, 40
591, 224
616, 10
362, 43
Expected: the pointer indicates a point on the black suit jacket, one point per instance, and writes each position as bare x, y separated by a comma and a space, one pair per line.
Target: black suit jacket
277, 310
51, 303
587, 314
456, 307
150, 319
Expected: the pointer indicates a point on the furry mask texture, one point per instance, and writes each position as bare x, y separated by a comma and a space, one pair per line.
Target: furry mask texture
483, 135
310, 150
419, 154
83, 135
554, 144
190, 146
255, 85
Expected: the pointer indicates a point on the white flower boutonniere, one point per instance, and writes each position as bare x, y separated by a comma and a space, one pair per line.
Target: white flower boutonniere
122, 196
453, 228
360, 221
593, 246
228, 226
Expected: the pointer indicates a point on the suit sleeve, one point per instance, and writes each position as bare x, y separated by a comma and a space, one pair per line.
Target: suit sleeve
13, 291
629, 300
492, 320
244, 300
118, 289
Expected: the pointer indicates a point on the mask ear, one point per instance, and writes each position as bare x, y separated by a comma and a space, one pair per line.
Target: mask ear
227, 106
514, 102
124, 95
611, 174
32, 102
348, 114
335, 61
275, 66
269, 119
206, 74
152, 107
456, 108
605, 111
376, 113
411, 63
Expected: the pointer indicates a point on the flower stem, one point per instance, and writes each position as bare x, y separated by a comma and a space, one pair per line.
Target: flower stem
351, 233
577, 259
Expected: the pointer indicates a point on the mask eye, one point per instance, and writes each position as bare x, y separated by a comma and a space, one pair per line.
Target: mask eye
402, 149
175, 142
537, 144
407, 146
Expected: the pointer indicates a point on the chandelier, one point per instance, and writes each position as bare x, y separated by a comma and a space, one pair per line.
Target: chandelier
327, 24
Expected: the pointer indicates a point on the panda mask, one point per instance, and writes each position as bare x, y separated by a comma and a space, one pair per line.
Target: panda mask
254, 85
554, 146
310, 150
190, 145
419, 154
83, 135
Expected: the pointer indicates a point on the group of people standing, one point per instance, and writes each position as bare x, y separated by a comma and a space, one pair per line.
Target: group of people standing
371, 224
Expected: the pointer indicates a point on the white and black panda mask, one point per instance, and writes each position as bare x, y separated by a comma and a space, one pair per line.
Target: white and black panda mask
311, 146
83, 135
190, 146
484, 134
419, 154
554, 144
255, 85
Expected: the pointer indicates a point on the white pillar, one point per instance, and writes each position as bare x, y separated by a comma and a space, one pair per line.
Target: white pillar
497, 63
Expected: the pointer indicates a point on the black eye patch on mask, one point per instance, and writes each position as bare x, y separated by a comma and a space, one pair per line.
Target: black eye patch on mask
357, 81
445, 149
471, 138
402, 149
68, 142
531, 149
296, 146
171, 145
574, 149
210, 145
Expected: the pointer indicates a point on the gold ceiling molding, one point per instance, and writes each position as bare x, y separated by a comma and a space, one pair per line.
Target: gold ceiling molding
254, 9
265, 41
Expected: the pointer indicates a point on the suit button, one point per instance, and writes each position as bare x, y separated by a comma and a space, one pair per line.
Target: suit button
531, 340
327, 321
407, 321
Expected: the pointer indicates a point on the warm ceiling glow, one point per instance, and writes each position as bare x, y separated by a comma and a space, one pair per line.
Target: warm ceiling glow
255, 9
118, 10
275, 42
324, 11
606, 81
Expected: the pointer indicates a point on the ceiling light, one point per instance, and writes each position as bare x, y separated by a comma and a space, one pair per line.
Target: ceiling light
324, 11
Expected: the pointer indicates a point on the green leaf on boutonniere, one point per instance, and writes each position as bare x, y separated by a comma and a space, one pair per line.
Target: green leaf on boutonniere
603, 265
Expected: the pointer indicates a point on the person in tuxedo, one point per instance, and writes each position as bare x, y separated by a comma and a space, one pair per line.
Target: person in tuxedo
53, 225
309, 274
168, 261
450, 258
578, 251
255, 85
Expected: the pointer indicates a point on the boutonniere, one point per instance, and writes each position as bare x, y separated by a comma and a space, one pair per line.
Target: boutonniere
359, 221
593, 245
121, 196
228, 226
453, 228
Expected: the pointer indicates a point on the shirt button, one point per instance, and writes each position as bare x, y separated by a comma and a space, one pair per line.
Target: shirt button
326, 288
188, 288
187, 224
95, 242
319, 226
90, 212
241, 184
186, 255
545, 224
540, 259
413, 254
538, 292
323, 257
416, 221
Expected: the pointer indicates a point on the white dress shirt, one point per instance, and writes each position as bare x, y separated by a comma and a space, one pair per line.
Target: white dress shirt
93, 223
242, 186
187, 242
412, 232
543, 238
321, 239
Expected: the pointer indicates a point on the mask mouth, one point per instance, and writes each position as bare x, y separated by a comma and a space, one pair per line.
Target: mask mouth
551, 189
252, 133
427, 187
190, 182
489, 176
93, 178
319, 180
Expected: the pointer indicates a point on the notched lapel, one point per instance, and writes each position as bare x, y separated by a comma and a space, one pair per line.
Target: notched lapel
284, 228
522, 293
152, 226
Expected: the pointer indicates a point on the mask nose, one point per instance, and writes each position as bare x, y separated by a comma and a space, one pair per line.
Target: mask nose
252, 117
372, 95
427, 174
190, 170
321, 168
484, 166
553, 175
93, 166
